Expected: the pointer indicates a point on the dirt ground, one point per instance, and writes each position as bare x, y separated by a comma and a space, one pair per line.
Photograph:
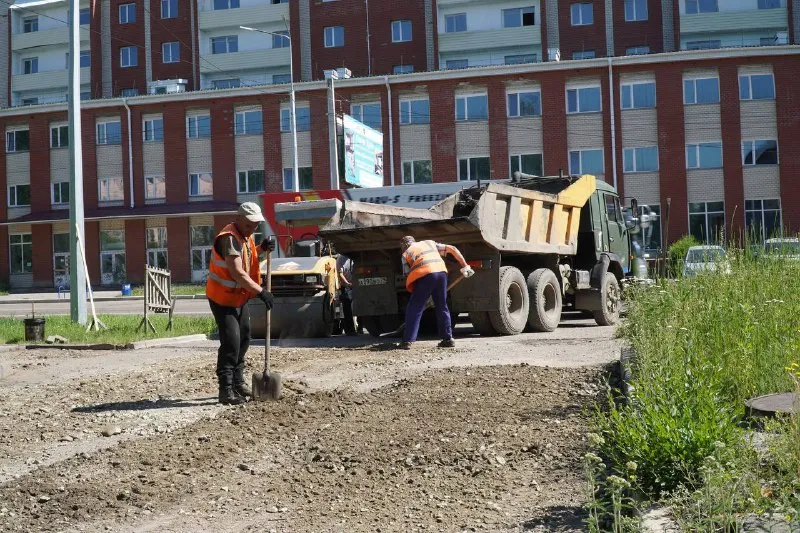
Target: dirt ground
486, 437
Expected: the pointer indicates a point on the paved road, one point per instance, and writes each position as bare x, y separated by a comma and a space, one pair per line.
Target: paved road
117, 307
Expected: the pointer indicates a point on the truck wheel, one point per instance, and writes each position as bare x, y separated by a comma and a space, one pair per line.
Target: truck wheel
512, 313
372, 324
545, 300
482, 324
608, 315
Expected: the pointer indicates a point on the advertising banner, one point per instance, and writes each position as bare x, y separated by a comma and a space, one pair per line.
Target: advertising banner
363, 154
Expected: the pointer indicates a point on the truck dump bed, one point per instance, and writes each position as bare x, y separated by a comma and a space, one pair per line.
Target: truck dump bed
536, 215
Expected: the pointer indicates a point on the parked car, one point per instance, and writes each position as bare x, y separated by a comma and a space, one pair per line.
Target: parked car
706, 259
784, 248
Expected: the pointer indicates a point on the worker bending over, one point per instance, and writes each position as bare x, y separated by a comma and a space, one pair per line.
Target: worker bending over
426, 276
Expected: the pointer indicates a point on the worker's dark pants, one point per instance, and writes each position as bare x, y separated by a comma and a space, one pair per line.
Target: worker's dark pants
347, 309
435, 285
234, 339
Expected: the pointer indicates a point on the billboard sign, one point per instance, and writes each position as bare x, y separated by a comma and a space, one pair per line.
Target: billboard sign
363, 154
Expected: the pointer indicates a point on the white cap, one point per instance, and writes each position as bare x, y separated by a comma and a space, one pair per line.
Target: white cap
251, 212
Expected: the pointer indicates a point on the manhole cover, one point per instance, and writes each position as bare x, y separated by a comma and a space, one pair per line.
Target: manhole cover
772, 404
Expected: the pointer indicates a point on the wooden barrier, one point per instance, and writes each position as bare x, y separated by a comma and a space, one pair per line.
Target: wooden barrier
157, 296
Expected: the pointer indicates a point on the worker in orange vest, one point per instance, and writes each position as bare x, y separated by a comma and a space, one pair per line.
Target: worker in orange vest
426, 277
234, 276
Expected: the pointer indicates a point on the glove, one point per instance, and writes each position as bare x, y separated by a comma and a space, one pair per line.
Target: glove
467, 272
268, 245
267, 298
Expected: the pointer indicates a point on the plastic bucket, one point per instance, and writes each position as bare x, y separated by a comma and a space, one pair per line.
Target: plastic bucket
34, 329
126, 289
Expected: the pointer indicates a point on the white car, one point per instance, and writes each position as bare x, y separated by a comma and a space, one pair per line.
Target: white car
786, 248
706, 259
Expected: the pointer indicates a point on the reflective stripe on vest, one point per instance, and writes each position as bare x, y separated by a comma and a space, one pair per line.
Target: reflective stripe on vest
423, 258
221, 288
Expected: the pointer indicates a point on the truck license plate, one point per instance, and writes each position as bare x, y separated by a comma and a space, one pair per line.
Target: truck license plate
366, 282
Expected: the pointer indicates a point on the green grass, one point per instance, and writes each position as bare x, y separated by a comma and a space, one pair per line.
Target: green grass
704, 346
178, 289
121, 329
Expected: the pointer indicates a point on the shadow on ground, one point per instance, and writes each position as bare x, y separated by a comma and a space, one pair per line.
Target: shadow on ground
558, 519
144, 405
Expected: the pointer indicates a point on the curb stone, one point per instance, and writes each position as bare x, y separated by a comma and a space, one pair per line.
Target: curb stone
136, 345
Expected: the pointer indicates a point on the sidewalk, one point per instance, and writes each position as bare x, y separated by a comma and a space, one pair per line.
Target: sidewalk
52, 296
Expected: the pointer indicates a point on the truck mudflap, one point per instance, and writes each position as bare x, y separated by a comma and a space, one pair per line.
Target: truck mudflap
591, 299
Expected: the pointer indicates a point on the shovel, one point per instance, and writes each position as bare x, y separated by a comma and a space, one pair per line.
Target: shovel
428, 305
266, 385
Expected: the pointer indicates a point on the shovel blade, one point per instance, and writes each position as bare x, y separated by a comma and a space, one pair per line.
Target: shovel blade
266, 386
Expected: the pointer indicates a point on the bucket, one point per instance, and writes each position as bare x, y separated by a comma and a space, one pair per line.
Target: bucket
34, 329
126, 289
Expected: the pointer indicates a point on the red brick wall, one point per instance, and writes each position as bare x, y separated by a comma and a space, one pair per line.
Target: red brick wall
542, 21
3, 189
640, 33
89, 152
787, 102
607, 152
618, 133
676, 26
178, 29
672, 149
42, 236
320, 152
273, 155
352, 16
126, 169
178, 249
220, 221
554, 124
138, 155
294, 34
222, 151
386, 54
96, 45
732, 149
176, 175
398, 163
578, 38
92, 245
443, 131
126, 35
790, 13
498, 128
39, 162
135, 256
5, 274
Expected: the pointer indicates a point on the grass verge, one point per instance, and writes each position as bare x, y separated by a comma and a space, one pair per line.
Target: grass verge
121, 329
703, 347
178, 289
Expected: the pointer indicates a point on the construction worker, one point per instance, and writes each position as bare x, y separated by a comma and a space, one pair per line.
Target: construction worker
344, 267
233, 278
426, 276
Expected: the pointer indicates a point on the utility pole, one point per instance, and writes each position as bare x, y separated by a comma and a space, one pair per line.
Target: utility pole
77, 274
332, 75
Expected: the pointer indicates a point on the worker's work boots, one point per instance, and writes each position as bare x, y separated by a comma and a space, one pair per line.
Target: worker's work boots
242, 390
447, 343
227, 396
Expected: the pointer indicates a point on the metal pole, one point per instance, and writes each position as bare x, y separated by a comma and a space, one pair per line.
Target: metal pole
77, 276
293, 112
369, 54
334, 146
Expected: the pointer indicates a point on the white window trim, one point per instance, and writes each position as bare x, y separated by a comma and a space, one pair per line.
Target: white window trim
105, 132
581, 150
694, 79
467, 158
196, 116
697, 153
465, 96
244, 113
510, 156
333, 37
10, 244
296, 114
581, 23
752, 144
637, 171
146, 178
16, 195
58, 127
749, 76
125, 10
410, 37
99, 189
53, 192
171, 58
247, 182
409, 101
466, 22
577, 88
518, 92
362, 104
144, 129
631, 84
198, 173
413, 177
122, 55
635, 13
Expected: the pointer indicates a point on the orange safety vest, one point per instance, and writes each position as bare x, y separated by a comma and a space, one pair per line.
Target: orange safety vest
423, 258
221, 288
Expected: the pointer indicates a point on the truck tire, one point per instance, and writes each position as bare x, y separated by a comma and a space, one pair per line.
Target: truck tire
545, 300
608, 315
482, 324
512, 313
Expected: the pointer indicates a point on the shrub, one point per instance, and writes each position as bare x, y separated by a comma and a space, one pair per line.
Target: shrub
677, 252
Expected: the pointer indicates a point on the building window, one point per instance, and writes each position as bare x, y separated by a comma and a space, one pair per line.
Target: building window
520, 59
86, 95
85, 16
763, 219
334, 36
474, 168
472, 107
198, 126
280, 39
30, 65
711, 44
128, 56
417, 171
415, 111
584, 100
112, 257
452, 64
154, 188
201, 239
583, 54
302, 118
701, 6
30, 101
707, 221
527, 164
226, 84
226, 4
170, 52
169, 9
129, 92
61, 258
306, 178
637, 50
21, 252
109, 132
589, 161
455, 23
643, 159
59, 136
201, 184
153, 129
157, 247
17, 141
281, 78
581, 14
250, 181
757, 87
19, 195
518, 17
701, 91
651, 237
227, 44
84, 59
402, 69
248, 122
638, 95
769, 4
367, 113
30, 24
127, 13
635, 10
110, 189
401, 31
524, 104
704, 155
60, 193
760, 152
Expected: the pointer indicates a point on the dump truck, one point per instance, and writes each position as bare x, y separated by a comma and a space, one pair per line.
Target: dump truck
537, 245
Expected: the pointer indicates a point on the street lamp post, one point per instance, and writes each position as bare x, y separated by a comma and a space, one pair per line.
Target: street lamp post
292, 110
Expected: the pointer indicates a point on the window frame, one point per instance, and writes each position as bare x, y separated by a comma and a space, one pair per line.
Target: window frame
190, 134
750, 96
634, 151
331, 31
301, 170
162, 245
167, 49
107, 181
639, 50
635, 18
465, 97
580, 12
401, 25
359, 116
247, 127
630, 87
697, 147
31, 21
455, 18
169, 11
519, 163
705, 214
523, 10
22, 244
412, 164
156, 132
762, 212
516, 93
127, 8
579, 55
16, 195
60, 186
286, 122
752, 143
104, 139
133, 56
410, 114
581, 171
150, 185
13, 133
469, 160
698, 11
60, 131
247, 177
228, 39
578, 89
198, 195
30, 65
694, 81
